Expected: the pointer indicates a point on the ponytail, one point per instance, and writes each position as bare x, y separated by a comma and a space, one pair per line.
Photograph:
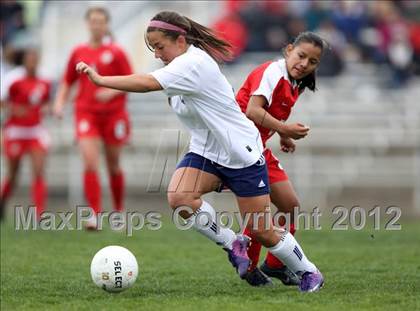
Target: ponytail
307, 82
205, 39
196, 34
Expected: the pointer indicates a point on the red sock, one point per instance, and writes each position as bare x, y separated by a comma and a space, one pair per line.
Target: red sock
254, 250
92, 191
271, 260
117, 189
39, 194
6, 190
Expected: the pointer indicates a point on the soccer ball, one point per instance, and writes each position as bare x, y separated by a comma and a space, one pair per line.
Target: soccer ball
114, 268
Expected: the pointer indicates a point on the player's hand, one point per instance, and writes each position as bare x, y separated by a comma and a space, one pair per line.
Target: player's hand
82, 67
104, 95
296, 131
287, 144
47, 109
57, 111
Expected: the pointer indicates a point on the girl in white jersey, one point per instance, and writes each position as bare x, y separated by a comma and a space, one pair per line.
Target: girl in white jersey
225, 146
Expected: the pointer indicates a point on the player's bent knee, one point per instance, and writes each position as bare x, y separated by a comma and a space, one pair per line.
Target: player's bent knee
176, 199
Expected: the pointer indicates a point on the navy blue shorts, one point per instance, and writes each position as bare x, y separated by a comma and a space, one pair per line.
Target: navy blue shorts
244, 182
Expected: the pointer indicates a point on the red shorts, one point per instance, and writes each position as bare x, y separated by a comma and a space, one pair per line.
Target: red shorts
18, 140
276, 172
113, 129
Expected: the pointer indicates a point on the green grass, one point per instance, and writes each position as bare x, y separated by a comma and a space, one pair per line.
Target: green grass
181, 270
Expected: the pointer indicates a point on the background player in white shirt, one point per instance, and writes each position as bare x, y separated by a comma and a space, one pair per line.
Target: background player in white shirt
225, 146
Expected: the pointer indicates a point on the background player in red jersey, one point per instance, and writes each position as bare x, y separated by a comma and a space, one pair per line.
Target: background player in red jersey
267, 97
23, 133
100, 113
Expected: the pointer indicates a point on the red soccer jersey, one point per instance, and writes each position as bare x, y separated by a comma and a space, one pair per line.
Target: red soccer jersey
270, 80
108, 59
30, 93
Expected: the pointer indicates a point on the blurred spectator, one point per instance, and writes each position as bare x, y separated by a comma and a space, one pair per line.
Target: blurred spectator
253, 15
380, 32
299, 8
12, 19
415, 43
395, 41
349, 17
234, 6
231, 28
315, 15
294, 27
332, 60
266, 22
332, 35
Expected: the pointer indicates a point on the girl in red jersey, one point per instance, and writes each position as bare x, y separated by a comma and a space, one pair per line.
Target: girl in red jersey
100, 113
267, 97
23, 132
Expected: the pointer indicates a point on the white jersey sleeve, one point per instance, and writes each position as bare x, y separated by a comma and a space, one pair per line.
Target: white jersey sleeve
270, 78
8, 79
180, 77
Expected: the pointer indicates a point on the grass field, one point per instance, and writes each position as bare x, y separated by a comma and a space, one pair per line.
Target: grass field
181, 270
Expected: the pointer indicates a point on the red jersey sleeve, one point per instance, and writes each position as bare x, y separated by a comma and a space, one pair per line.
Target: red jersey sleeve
70, 75
250, 85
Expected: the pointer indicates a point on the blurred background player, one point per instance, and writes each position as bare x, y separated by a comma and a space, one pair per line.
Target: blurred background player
23, 132
100, 113
225, 146
267, 97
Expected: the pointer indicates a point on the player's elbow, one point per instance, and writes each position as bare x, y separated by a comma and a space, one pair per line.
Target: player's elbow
251, 112
147, 83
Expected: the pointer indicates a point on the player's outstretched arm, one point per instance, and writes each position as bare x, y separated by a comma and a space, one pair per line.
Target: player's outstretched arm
131, 83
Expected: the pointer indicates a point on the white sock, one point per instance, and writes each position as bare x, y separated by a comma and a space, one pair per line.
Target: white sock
291, 254
207, 226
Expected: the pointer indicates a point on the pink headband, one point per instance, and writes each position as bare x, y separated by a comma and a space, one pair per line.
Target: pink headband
166, 26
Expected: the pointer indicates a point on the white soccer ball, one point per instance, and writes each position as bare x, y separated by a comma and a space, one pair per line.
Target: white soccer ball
114, 268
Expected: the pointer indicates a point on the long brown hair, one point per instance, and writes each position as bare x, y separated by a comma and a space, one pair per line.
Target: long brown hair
196, 34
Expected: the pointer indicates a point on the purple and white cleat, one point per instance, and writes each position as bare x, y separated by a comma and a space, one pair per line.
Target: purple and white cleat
311, 282
238, 256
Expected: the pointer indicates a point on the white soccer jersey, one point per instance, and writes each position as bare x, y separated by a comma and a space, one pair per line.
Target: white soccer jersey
205, 103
